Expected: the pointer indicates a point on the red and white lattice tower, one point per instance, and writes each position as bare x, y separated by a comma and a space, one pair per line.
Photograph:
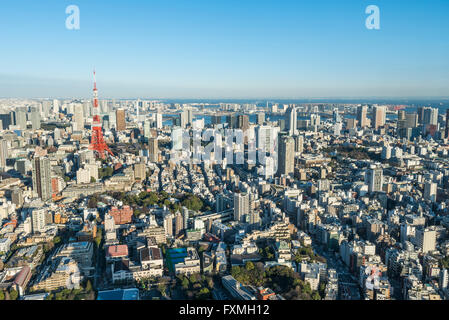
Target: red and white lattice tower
97, 142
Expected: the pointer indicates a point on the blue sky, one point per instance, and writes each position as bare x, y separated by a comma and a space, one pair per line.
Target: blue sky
225, 49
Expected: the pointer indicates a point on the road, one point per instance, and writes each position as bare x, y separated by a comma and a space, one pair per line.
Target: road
345, 278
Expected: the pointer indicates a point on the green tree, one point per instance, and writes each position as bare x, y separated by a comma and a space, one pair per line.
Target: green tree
93, 180
92, 203
2, 295
88, 287
56, 240
13, 294
98, 237
204, 293
162, 288
185, 283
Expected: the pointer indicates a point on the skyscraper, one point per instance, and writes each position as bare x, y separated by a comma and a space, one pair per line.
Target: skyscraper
260, 118
120, 119
286, 156
379, 116
3, 154
139, 171
168, 224
153, 149
375, 180
179, 224
446, 133
291, 120
38, 218
243, 122
299, 144
35, 118
361, 116
430, 116
241, 206
158, 119
430, 191
147, 128
78, 118
42, 177
19, 118
425, 239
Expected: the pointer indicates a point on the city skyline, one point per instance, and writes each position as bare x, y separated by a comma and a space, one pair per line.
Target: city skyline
226, 50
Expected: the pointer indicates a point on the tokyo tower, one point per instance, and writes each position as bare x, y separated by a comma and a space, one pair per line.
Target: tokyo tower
97, 142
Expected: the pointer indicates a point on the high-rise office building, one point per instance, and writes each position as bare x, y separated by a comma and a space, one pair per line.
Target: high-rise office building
241, 206
260, 118
140, 171
266, 138
286, 156
3, 154
120, 119
291, 120
216, 119
430, 116
38, 220
446, 133
55, 106
315, 120
375, 180
17, 197
361, 116
426, 239
430, 191
243, 122
168, 224
232, 121
158, 120
186, 117
179, 224
299, 143
379, 116
19, 118
153, 150
78, 118
147, 128
42, 177
35, 118
420, 115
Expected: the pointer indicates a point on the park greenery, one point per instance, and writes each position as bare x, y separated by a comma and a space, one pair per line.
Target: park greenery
196, 286
85, 292
105, 172
357, 153
281, 279
149, 199
307, 254
10, 294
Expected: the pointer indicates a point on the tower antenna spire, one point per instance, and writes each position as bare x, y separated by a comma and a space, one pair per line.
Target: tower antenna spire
97, 142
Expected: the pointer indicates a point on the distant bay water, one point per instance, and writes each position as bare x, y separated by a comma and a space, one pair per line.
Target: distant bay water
410, 106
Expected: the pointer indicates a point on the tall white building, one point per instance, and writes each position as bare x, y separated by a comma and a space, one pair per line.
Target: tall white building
426, 239
430, 191
3, 154
375, 179
38, 220
241, 206
291, 120
78, 117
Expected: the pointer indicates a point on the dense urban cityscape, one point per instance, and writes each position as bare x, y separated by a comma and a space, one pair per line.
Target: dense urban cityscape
105, 199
